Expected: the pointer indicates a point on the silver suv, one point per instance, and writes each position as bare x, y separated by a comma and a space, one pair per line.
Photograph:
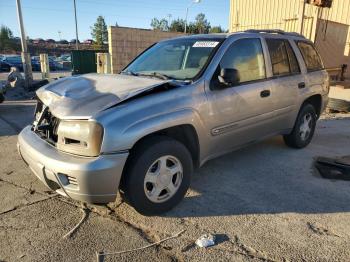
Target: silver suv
179, 104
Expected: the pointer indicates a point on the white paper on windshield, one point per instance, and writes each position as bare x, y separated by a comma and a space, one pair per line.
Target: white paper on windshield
205, 44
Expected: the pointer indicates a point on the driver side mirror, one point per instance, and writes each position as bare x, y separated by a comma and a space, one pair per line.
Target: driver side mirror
229, 77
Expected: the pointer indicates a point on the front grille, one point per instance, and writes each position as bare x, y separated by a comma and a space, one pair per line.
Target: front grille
46, 124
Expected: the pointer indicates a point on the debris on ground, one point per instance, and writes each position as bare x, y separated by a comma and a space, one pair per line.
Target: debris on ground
334, 168
15, 78
85, 214
320, 230
100, 255
339, 99
206, 240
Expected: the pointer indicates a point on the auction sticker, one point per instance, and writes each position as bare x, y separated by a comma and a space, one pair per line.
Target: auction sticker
205, 44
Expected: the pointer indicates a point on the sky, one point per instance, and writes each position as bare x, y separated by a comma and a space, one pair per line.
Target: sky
45, 18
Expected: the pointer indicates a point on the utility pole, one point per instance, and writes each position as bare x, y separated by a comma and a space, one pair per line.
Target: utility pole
186, 20
76, 27
302, 15
27, 65
169, 19
188, 7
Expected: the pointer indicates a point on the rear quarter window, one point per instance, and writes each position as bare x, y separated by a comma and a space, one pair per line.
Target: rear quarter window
311, 57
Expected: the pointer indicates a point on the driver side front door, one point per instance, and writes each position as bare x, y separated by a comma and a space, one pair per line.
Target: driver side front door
242, 113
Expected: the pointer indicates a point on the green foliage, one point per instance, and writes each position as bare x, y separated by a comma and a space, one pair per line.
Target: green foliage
7, 42
161, 24
5, 32
200, 26
99, 31
216, 29
177, 25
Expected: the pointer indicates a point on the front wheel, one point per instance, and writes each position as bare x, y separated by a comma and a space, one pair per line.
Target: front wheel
304, 128
157, 175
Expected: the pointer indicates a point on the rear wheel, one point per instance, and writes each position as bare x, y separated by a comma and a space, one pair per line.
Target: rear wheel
304, 128
157, 175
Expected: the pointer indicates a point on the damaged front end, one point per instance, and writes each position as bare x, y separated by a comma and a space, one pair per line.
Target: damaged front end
79, 137
45, 124
66, 109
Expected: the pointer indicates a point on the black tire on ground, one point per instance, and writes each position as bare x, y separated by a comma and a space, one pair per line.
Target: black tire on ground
2, 98
294, 139
339, 105
139, 162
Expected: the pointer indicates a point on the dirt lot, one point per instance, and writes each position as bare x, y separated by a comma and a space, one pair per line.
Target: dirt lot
264, 203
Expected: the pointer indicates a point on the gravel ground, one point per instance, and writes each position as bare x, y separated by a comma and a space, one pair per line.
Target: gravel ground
263, 203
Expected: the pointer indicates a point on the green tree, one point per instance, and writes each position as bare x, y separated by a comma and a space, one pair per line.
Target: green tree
99, 31
200, 26
161, 25
177, 25
7, 41
216, 29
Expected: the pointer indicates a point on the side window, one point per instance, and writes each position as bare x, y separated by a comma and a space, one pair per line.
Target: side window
312, 59
246, 56
293, 62
279, 57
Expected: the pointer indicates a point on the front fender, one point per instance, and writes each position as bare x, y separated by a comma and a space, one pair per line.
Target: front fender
126, 138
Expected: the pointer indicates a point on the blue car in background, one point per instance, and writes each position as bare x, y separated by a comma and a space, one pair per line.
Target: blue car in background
13, 61
4, 66
6, 62
36, 64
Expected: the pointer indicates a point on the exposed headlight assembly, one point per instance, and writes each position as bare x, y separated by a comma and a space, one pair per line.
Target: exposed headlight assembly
80, 137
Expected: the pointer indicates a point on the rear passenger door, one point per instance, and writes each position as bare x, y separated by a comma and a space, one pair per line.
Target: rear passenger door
287, 80
316, 75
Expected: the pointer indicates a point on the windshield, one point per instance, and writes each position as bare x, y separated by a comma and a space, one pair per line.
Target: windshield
180, 59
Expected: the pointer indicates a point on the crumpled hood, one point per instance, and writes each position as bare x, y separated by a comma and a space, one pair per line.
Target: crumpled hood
81, 97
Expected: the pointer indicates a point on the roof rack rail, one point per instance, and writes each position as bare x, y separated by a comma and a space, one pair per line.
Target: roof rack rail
273, 31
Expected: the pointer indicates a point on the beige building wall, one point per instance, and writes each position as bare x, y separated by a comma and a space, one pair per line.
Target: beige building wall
332, 37
126, 43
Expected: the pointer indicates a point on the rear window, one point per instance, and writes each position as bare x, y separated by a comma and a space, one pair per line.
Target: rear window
312, 59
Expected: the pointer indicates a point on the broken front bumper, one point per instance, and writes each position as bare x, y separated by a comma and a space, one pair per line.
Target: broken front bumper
88, 179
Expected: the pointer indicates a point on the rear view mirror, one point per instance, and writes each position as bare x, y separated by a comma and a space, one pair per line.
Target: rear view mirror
229, 76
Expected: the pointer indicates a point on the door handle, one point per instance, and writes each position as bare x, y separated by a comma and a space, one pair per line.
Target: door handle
265, 93
301, 85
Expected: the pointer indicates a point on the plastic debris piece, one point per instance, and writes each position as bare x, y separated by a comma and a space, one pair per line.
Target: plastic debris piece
334, 168
206, 240
101, 255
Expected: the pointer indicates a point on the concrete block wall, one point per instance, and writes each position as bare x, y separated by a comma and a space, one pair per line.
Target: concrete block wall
126, 43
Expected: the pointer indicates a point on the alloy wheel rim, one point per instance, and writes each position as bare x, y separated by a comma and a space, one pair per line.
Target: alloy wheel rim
305, 127
163, 179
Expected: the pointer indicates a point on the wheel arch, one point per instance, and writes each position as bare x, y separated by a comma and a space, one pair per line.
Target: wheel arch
316, 102
184, 133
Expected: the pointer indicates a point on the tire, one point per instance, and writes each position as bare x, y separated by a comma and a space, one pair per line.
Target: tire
145, 164
2, 98
303, 130
339, 105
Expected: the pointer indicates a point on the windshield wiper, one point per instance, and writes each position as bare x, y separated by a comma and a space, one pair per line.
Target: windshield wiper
157, 75
153, 74
129, 73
